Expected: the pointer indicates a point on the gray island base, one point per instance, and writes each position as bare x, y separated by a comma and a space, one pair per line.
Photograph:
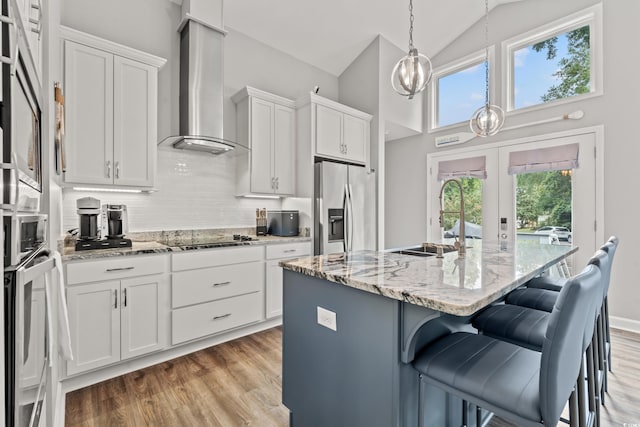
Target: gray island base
352, 324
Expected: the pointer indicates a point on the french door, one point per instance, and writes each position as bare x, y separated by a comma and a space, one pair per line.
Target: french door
499, 189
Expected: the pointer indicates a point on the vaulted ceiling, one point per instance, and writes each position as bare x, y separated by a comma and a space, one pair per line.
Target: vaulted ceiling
330, 34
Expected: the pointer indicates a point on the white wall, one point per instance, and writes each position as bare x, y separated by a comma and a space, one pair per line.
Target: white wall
616, 110
203, 196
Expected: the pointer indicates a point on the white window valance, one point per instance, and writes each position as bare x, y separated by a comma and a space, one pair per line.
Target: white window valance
471, 167
561, 157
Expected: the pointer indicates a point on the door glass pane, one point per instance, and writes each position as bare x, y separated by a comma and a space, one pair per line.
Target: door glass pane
472, 191
544, 206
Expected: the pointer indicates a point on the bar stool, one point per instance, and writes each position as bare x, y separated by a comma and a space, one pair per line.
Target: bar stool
528, 387
541, 294
525, 327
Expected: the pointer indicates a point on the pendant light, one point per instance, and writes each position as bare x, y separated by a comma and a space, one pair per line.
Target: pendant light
488, 119
413, 72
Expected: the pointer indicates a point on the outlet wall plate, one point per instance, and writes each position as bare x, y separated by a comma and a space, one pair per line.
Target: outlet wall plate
327, 318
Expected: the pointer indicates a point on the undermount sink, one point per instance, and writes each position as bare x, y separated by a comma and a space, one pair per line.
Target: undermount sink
426, 250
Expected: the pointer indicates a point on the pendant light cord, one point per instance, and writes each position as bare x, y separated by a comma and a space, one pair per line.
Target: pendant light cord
486, 54
410, 25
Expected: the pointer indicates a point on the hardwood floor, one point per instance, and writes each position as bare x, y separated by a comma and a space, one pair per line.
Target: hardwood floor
239, 384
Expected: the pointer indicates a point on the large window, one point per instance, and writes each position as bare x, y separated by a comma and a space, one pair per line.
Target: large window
557, 63
457, 90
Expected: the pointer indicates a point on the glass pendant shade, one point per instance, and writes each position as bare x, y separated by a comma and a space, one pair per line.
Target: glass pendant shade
411, 74
487, 120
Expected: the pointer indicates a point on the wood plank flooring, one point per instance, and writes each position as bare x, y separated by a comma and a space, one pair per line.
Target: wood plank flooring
239, 384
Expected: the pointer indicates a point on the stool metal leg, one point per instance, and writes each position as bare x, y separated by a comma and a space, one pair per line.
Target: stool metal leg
607, 331
420, 405
593, 374
573, 407
581, 391
478, 416
465, 413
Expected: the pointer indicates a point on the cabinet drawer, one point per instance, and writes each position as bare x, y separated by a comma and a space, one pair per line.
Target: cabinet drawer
288, 250
200, 320
215, 257
115, 268
209, 284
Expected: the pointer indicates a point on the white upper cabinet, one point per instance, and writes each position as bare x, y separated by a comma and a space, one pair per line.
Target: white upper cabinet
265, 124
338, 132
111, 96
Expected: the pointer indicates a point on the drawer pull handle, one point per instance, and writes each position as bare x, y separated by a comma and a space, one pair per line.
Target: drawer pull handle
221, 284
224, 316
288, 251
120, 269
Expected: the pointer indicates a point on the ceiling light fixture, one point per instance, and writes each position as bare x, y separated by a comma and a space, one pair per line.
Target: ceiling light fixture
488, 119
413, 72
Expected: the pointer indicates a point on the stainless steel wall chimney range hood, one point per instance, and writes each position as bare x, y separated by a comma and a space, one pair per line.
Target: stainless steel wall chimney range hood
201, 87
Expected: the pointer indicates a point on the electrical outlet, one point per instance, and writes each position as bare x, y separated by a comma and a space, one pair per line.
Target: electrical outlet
327, 319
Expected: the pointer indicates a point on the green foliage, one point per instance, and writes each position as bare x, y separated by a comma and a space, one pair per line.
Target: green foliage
543, 194
472, 190
574, 70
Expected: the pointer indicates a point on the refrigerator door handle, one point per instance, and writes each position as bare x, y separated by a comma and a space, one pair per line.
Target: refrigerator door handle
350, 219
347, 214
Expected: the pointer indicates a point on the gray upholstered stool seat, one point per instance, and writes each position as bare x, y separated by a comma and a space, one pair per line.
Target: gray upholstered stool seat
538, 299
465, 361
551, 283
518, 325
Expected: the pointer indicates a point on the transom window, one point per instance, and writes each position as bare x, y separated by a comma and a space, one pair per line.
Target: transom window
556, 63
457, 90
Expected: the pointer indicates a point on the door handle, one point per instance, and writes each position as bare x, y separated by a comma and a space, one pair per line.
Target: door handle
124, 297
347, 214
115, 292
350, 216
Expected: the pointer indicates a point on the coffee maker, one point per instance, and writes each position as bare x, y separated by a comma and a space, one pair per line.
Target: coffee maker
110, 231
88, 210
114, 221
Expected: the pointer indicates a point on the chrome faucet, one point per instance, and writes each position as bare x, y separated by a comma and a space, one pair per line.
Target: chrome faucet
460, 243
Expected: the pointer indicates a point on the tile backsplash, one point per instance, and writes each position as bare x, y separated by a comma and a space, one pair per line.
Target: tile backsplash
195, 190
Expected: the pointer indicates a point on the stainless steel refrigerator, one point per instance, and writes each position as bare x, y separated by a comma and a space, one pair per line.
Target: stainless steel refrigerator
344, 208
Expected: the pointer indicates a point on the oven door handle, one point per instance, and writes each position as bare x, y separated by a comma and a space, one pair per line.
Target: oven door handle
26, 275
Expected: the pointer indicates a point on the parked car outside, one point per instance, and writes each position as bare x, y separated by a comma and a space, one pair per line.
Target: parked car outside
563, 233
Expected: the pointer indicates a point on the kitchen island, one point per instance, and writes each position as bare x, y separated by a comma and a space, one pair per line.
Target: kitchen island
354, 322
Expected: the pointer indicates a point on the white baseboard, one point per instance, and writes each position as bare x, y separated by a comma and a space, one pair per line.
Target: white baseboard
625, 324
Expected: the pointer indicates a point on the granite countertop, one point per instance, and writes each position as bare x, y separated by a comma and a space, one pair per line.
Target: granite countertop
459, 286
144, 243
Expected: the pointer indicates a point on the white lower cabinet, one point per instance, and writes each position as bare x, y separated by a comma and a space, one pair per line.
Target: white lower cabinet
223, 291
273, 288
116, 320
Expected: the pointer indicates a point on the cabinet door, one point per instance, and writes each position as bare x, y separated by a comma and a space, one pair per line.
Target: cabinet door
328, 132
355, 138
134, 122
144, 312
284, 150
273, 289
94, 323
261, 137
88, 75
